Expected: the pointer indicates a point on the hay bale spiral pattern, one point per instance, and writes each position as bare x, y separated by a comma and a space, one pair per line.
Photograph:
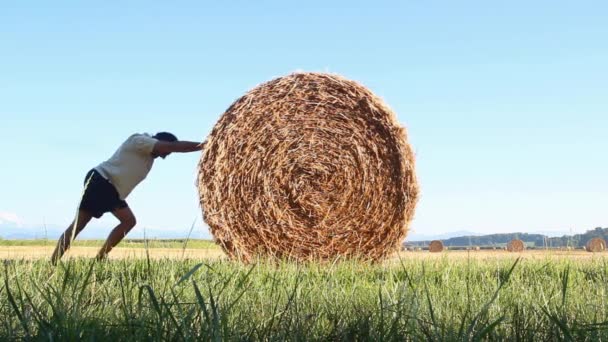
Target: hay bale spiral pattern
308, 166
596, 245
516, 245
436, 246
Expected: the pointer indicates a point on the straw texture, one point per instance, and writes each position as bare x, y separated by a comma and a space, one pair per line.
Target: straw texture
596, 245
436, 246
516, 245
308, 166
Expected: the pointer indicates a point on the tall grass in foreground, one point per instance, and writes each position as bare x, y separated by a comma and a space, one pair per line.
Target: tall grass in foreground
432, 299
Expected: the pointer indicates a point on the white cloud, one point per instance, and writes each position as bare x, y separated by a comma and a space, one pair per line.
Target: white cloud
6, 217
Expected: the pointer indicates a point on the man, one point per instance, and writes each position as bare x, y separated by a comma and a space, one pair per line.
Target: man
107, 186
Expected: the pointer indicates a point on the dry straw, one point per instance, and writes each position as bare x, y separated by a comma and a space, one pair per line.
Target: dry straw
436, 246
596, 245
516, 245
308, 166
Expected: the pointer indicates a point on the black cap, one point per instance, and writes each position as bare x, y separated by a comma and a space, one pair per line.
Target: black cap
165, 136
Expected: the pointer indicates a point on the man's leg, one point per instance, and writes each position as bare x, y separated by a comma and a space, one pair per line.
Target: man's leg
127, 222
70, 234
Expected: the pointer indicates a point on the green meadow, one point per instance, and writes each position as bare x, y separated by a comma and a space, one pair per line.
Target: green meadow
406, 299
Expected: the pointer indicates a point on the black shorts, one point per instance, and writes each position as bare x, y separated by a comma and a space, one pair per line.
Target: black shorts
99, 196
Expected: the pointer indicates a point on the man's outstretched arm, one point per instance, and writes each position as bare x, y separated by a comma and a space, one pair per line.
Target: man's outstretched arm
164, 147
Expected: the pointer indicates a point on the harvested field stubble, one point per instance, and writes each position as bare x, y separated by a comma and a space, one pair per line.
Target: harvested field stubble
308, 166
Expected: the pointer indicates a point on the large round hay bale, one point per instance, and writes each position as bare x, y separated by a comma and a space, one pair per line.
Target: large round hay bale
516, 245
308, 166
436, 246
596, 245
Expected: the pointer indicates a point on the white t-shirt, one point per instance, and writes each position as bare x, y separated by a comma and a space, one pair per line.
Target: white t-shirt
130, 164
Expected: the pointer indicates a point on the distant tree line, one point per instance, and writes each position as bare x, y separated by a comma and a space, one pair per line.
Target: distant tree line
531, 240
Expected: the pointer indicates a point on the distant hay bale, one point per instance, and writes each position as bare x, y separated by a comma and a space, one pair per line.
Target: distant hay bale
516, 245
308, 166
436, 246
596, 245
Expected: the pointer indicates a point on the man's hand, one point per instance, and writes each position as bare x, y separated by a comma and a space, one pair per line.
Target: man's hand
165, 147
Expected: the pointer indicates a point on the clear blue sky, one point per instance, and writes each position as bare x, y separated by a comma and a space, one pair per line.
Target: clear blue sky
506, 103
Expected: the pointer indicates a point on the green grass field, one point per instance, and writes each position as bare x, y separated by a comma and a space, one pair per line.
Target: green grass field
410, 299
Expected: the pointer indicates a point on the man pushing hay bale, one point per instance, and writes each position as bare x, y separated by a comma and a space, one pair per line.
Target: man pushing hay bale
436, 246
516, 245
308, 166
596, 245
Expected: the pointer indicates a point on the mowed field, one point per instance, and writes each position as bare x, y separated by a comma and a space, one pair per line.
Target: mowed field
33, 252
173, 293
41, 252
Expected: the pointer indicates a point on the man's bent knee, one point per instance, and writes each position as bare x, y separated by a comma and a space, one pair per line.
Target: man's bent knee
129, 222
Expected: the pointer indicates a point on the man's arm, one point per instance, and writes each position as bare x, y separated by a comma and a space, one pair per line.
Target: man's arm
164, 147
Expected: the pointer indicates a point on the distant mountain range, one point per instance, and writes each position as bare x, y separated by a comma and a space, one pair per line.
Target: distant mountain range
15, 231
418, 237
414, 236
537, 240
